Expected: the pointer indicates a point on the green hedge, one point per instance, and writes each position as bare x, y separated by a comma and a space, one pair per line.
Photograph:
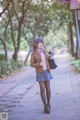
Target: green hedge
7, 68
2, 56
76, 63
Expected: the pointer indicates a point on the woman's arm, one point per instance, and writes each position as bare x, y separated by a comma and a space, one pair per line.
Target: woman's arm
33, 62
48, 55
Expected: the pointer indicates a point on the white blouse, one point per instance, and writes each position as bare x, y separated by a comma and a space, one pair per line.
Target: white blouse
43, 61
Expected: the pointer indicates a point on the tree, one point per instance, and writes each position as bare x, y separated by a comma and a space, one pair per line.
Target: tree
5, 48
31, 18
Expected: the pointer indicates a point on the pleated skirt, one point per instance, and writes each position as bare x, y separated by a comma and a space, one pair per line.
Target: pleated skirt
43, 76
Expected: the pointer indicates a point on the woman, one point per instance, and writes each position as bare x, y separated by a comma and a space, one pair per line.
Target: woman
39, 60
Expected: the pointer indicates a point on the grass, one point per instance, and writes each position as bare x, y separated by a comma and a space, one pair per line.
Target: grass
8, 68
76, 63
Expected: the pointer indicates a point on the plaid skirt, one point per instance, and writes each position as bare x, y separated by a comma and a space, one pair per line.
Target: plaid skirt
43, 76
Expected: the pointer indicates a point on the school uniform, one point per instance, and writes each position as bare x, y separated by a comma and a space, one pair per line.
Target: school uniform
42, 72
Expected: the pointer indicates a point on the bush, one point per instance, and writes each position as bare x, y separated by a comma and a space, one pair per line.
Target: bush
76, 63
2, 56
7, 68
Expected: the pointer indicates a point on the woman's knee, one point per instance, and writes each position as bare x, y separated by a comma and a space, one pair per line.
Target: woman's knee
47, 84
42, 87
42, 90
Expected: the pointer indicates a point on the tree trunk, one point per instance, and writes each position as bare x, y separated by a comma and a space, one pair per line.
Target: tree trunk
79, 39
27, 56
74, 21
15, 55
71, 40
68, 40
5, 49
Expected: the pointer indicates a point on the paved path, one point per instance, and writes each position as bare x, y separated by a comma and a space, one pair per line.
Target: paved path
21, 99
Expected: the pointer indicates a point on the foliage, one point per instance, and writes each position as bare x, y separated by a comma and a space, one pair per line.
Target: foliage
76, 63
7, 68
57, 38
2, 57
22, 20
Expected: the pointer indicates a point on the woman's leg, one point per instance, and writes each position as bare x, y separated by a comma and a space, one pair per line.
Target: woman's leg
48, 91
42, 92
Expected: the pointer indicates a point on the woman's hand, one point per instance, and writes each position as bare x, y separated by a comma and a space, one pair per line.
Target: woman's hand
48, 55
41, 64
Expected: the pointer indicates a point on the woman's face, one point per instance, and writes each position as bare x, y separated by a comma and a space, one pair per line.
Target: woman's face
40, 45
